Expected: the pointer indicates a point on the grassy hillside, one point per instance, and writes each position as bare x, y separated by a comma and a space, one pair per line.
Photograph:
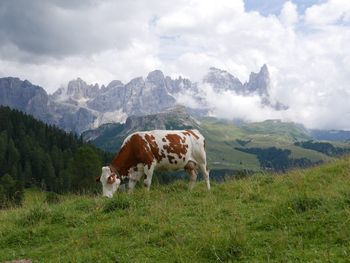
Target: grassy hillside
223, 138
301, 216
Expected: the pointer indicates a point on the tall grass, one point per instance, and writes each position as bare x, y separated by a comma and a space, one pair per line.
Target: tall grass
302, 216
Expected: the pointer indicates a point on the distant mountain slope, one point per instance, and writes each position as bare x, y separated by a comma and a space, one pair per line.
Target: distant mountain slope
110, 136
225, 141
330, 135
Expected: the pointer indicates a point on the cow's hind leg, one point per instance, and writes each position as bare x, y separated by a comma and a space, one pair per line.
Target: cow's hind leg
148, 171
205, 172
190, 169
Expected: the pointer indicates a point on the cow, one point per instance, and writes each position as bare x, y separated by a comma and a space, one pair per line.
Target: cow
142, 153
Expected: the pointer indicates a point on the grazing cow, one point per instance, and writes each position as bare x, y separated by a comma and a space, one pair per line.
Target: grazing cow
144, 152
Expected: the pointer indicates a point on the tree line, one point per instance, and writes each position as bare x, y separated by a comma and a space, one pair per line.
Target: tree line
323, 147
35, 154
277, 160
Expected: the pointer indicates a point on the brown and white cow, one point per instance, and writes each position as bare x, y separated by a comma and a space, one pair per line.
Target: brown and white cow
144, 152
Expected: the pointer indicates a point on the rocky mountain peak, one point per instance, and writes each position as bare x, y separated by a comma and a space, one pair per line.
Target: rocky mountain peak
264, 70
114, 83
222, 80
79, 106
26, 97
259, 82
78, 89
155, 76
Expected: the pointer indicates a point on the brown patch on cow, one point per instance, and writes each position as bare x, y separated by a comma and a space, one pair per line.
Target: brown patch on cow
136, 150
176, 145
163, 140
189, 133
112, 168
111, 179
159, 155
170, 158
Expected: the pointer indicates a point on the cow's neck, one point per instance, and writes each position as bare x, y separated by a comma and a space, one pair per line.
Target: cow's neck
121, 163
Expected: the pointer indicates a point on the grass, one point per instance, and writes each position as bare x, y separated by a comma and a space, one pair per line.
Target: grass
302, 216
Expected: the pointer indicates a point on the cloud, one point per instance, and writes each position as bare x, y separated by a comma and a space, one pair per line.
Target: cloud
289, 14
227, 104
70, 28
305, 46
331, 12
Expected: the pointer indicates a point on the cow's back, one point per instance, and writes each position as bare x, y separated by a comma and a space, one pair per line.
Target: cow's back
171, 149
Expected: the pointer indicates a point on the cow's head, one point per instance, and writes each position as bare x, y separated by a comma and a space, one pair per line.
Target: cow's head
110, 181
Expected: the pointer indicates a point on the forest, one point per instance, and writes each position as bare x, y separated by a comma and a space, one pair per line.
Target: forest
278, 160
34, 154
323, 147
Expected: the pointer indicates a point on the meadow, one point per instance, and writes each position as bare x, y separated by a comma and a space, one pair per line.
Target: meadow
300, 216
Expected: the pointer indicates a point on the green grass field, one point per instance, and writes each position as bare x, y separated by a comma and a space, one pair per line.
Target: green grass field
302, 216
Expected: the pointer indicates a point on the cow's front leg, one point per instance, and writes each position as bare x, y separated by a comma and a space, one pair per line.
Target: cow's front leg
148, 171
131, 185
135, 175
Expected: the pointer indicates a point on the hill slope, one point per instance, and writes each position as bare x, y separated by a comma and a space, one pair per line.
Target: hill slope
229, 146
297, 217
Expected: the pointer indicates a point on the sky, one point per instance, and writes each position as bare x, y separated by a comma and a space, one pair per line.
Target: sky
304, 43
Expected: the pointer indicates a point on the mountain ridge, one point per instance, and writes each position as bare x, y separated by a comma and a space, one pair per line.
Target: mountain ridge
80, 106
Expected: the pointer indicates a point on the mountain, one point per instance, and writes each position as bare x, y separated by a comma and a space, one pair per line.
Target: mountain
80, 106
24, 96
259, 84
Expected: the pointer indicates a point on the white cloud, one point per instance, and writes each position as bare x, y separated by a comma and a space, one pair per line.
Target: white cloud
308, 54
227, 104
331, 12
289, 14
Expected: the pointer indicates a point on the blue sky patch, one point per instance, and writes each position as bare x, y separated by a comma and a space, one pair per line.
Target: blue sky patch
273, 7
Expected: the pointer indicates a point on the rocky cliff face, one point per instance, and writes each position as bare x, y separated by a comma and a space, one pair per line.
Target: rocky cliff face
259, 84
80, 106
26, 97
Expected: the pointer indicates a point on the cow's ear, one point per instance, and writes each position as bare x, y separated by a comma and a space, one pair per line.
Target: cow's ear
98, 178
